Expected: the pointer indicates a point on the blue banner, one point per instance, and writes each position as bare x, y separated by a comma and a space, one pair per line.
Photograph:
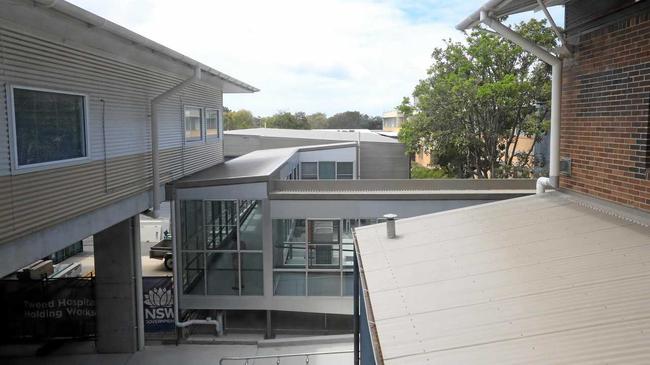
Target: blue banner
158, 299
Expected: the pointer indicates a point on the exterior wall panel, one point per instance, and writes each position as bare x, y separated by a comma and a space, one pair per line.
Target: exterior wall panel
383, 161
378, 160
4, 128
605, 103
118, 99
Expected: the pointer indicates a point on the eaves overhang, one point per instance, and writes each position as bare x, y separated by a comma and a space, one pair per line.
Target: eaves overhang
230, 84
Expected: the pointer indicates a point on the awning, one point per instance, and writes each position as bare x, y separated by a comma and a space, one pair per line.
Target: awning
499, 8
543, 279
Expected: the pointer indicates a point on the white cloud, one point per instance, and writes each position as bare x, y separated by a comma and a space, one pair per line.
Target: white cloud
311, 56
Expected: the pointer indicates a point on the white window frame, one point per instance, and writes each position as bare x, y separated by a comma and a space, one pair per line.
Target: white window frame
202, 126
16, 168
336, 170
219, 133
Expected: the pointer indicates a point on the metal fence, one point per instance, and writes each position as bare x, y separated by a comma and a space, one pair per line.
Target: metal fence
47, 309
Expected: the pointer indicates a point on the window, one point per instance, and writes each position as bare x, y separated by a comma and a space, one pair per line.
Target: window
221, 247
344, 171
326, 170
309, 170
212, 122
48, 126
193, 124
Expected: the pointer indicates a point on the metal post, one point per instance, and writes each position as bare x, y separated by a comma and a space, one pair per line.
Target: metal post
269, 327
137, 273
356, 309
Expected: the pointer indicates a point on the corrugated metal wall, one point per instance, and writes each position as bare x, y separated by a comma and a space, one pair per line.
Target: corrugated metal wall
383, 161
118, 99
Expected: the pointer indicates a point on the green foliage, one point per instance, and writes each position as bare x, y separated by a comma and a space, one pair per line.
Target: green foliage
240, 119
317, 121
421, 172
353, 120
478, 99
286, 120
299, 120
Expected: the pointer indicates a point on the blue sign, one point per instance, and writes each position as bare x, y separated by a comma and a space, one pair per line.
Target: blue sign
158, 292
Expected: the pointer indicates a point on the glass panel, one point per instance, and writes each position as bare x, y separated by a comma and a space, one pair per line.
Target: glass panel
193, 130
289, 243
250, 230
309, 170
223, 276
289, 283
221, 229
367, 221
348, 284
344, 170
326, 170
324, 231
49, 126
191, 225
252, 277
192, 266
347, 254
212, 122
324, 256
324, 243
348, 226
324, 284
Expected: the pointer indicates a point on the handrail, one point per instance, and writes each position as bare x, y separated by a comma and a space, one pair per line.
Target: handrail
278, 357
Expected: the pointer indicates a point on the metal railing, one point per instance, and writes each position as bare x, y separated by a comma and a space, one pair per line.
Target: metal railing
278, 358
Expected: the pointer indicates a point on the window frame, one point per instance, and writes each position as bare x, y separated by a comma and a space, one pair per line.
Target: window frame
351, 174
219, 122
201, 128
302, 171
16, 168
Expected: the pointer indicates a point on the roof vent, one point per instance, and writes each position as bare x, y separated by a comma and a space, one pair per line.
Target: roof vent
390, 225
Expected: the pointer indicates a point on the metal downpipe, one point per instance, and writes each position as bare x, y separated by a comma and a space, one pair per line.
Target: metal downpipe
155, 136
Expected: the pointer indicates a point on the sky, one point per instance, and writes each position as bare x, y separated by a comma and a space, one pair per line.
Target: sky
312, 56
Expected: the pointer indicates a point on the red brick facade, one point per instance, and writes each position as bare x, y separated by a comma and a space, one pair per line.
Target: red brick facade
605, 106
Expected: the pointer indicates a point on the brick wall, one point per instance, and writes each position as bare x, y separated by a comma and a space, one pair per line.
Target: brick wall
605, 106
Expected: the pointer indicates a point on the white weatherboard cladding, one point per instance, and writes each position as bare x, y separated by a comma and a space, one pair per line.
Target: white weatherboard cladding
118, 95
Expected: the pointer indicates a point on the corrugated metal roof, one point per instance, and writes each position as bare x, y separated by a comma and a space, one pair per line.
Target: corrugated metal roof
251, 167
499, 8
334, 134
534, 280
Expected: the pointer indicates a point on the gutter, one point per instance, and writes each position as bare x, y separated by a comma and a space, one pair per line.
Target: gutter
553, 181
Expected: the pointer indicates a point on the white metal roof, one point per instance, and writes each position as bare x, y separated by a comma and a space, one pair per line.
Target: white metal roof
324, 134
499, 8
533, 280
251, 167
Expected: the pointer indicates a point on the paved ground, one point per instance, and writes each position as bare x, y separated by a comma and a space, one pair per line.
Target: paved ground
199, 355
150, 267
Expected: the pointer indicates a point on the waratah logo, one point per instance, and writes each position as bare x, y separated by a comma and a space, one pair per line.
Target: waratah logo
159, 297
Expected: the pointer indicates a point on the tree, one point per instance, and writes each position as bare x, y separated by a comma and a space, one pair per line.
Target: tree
240, 119
286, 120
353, 120
317, 121
478, 99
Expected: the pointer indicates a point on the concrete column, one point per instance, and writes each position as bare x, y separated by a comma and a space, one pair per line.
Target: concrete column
116, 287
